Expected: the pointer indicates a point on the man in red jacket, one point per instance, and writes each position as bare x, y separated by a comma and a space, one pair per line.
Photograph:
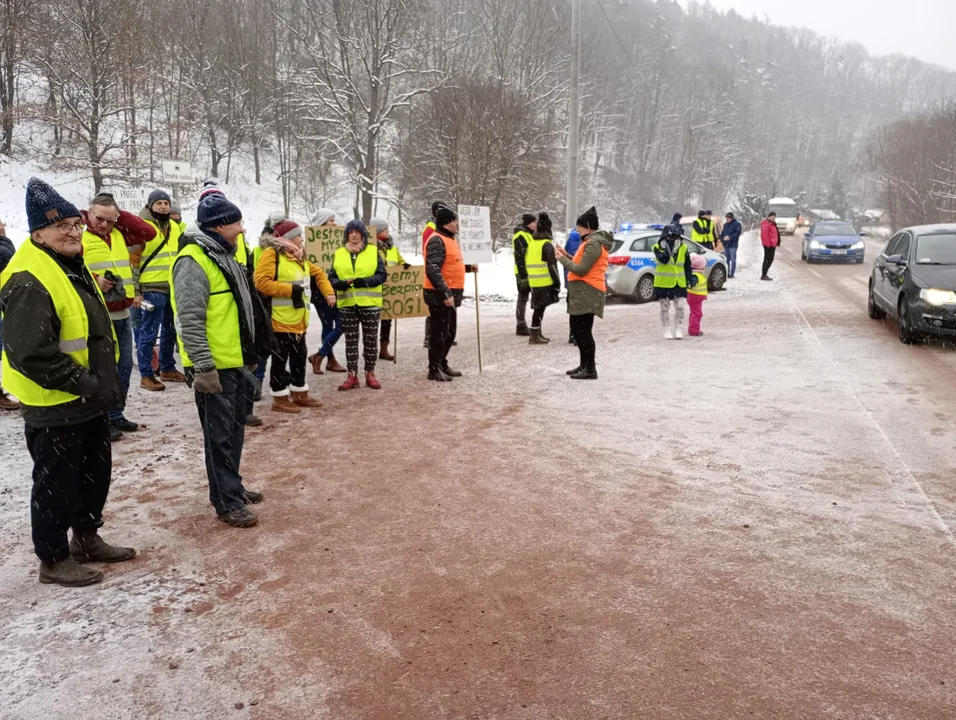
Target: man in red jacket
106, 224
770, 239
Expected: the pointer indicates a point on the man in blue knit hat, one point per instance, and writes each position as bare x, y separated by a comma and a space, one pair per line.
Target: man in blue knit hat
216, 324
59, 359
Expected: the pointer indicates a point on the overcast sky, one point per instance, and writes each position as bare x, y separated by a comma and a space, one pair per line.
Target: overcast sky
920, 28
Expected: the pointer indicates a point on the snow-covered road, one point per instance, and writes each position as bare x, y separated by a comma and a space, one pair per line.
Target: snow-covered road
757, 523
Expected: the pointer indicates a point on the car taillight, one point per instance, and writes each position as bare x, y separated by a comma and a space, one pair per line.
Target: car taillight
618, 260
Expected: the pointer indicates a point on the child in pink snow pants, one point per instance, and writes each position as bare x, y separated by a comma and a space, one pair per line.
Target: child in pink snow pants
697, 295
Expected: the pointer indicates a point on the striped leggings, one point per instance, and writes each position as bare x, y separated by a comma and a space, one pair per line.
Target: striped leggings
366, 318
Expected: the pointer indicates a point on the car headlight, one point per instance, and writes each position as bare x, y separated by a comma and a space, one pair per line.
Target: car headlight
814, 245
936, 297
859, 246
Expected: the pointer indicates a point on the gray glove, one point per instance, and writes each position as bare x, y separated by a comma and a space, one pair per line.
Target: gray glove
248, 372
207, 382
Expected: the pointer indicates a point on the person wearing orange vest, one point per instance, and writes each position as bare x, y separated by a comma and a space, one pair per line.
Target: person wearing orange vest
587, 288
444, 288
427, 232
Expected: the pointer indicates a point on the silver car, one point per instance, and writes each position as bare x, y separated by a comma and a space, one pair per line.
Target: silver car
631, 264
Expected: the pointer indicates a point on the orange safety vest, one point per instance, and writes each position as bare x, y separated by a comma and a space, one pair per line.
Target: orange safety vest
597, 275
453, 270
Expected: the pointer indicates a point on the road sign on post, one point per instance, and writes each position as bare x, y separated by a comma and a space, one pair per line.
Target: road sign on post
175, 171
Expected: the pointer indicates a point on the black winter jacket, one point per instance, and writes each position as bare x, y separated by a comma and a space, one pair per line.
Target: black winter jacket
6, 251
31, 339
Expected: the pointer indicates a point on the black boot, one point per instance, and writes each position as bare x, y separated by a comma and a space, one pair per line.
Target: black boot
68, 573
88, 546
586, 374
522, 330
115, 434
240, 517
124, 425
536, 338
251, 497
449, 371
575, 371
438, 376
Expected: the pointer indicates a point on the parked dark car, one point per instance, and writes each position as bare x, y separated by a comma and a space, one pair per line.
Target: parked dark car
914, 282
833, 241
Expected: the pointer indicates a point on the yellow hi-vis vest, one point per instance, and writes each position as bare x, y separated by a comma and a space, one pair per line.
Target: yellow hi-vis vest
290, 271
242, 250
70, 311
538, 274
392, 255
701, 287
671, 274
256, 254
100, 258
514, 245
705, 237
160, 268
366, 263
222, 314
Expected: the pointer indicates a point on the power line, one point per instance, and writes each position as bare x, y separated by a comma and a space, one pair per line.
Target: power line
613, 31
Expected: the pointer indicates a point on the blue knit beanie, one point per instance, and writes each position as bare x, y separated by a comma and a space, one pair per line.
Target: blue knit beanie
356, 225
215, 210
45, 206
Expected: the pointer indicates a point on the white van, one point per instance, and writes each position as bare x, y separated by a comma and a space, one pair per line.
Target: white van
788, 215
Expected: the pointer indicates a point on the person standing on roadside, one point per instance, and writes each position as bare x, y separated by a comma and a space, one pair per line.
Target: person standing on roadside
217, 341
110, 235
731, 239
59, 359
770, 239
392, 257
542, 266
427, 232
7, 251
151, 278
444, 288
587, 288
519, 244
571, 247
673, 274
702, 230
331, 317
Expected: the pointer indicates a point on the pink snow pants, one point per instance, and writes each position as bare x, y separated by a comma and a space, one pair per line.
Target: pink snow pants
696, 305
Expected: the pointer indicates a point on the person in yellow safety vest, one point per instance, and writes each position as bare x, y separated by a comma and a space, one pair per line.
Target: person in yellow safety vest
176, 214
702, 230
111, 238
697, 294
392, 257
672, 277
151, 277
357, 275
218, 334
519, 244
541, 263
59, 359
284, 276
7, 250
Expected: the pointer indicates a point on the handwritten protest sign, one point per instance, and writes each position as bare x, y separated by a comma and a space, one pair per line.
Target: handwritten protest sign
474, 234
321, 244
402, 295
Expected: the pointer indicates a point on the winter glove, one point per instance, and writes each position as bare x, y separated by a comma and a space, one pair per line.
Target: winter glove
406, 266
524, 284
255, 387
693, 281
297, 297
207, 382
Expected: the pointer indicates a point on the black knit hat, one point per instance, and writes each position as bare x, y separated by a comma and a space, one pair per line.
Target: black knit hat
435, 205
444, 216
701, 215
677, 218
544, 224
45, 206
730, 215
215, 210
156, 196
528, 218
589, 219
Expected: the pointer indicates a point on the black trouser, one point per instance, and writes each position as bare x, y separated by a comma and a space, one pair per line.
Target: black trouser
367, 318
521, 308
537, 316
582, 327
386, 331
567, 303
290, 348
768, 255
222, 416
72, 467
444, 330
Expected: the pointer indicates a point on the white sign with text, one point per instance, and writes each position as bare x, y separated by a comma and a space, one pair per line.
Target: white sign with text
175, 171
474, 234
131, 199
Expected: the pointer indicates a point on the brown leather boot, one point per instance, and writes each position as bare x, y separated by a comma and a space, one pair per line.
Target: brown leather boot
68, 573
384, 354
302, 399
173, 376
316, 361
335, 366
88, 546
151, 384
283, 404
7, 402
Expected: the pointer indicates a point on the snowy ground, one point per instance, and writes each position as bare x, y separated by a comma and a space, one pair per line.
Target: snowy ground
758, 523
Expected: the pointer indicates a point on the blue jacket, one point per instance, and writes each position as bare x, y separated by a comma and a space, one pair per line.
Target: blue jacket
571, 246
731, 233
6, 251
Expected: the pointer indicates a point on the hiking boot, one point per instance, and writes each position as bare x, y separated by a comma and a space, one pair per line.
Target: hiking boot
571, 340
575, 371
585, 374
522, 330
252, 421
152, 384
536, 338
449, 371
438, 376
88, 546
68, 573
371, 382
173, 376
124, 425
241, 517
7, 402
335, 366
283, 404
351, 382
251, 497
767, 278
316, 361
115, 434
302, 399
384, 354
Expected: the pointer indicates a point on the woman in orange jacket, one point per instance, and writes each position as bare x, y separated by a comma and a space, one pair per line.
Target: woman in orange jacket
283, 277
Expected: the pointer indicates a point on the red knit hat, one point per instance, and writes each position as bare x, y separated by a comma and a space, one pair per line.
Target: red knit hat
288, 229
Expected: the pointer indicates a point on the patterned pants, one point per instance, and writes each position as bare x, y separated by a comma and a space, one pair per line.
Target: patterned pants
367, 319
678, 311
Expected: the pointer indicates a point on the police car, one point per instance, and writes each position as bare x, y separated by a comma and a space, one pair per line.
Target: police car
631, 263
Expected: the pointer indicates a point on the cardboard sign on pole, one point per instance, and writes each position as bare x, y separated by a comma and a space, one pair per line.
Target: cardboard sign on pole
131, 199
474, 234
321, 242
402, 294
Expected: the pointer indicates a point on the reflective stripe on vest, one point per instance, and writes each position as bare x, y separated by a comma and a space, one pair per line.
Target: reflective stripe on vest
514, 245
222, 314
366, 263
597, 275
73, 321
701, 287
159, 268
538, 274
671, 274
453, 269
100, 257
391, 255
705, 237
283, 309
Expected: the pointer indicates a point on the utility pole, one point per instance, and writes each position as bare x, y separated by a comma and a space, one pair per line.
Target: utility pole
574, 114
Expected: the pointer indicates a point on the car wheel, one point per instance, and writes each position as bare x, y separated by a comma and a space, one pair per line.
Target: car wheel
644, 290
872, 309
718, 276
803, 253
905, 324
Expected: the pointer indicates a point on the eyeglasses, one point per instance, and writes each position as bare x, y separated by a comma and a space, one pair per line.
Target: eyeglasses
68, 228
111, 221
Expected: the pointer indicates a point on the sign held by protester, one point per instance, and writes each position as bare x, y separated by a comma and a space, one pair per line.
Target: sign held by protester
175, 171
131, 199
402, 294
321, 242
474, 234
